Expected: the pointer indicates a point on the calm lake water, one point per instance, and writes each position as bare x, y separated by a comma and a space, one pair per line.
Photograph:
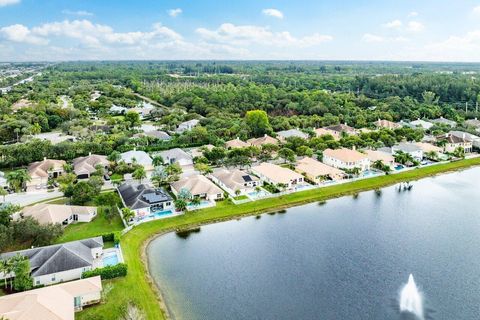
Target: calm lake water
345, 259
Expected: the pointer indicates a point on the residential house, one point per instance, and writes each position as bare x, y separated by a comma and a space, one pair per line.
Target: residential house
139, 157
157, 134
473, 123
378, 155
58, 302
317, 171
117, 110
319, 132
258, 142
144, 109
198, 152
84, 167
46, 213
276, 175
346, 159
425, 125
198, 186
428, 147
387, 124
101, 128
446, 122
60, 262
187, 125
453, 142
470, 137
284, 135
41, 171
338, 130
236, 143
233, 180
176, 155
144, 200
410, 148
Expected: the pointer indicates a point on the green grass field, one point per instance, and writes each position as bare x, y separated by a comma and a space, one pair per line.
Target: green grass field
137, 288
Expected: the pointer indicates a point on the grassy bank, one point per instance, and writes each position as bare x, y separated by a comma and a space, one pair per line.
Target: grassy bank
136, 286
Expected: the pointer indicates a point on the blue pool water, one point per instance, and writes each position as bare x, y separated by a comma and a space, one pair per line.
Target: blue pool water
399, 167
202, 204
369, 173
110, 260
158, 214
255, 194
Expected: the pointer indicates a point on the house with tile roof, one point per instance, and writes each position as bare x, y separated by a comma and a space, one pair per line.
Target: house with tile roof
137, 156
176, 155
277, 175
387, 124
84, 167
60, 262
233, 180
46, 213
284, 135
452, 142
317, 171
41, 171
236, 143
258, 142
346, 159
58, 302
198, 186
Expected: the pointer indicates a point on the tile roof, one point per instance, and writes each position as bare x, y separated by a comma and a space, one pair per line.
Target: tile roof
46, 213
86, 165
40, 169
236, 143
197, 184
262, 140
59, 257
138, 196
234, 179
276, 173
316, 168
345, 155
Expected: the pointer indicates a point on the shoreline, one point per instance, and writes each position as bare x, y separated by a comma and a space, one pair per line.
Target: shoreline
156, 288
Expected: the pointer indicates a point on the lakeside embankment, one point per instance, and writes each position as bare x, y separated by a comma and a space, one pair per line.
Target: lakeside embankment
138, 287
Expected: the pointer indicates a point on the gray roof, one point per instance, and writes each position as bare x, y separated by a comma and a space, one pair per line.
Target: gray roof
59, 257
468, 136
173, 155
447, 122
137, 196
406, 147
292, 133
162, 135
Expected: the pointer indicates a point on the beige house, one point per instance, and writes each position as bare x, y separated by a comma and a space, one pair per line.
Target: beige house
428, 147
198, 186
324, 132
453, 142
316, 171
337, 130
236, 143
58, 302
376, 155
258, 142
46, 213
273, 174
387, 124
346, 159
85, 166
234, 179
40, 171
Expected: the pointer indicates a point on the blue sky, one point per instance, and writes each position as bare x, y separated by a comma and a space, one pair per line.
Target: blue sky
429, 30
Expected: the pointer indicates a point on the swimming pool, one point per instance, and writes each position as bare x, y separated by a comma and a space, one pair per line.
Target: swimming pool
257, 194
111, 259
399, 167
202, 204
158, 214
369, 173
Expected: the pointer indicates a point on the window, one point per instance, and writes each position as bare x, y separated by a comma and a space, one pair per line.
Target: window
37, 282
53, 278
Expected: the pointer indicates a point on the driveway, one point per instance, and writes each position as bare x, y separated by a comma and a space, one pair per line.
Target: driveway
26, 198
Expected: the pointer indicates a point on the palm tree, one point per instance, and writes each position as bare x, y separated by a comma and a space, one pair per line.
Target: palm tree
431, 155
17, 179
139, 174
180, 204
4, 269
157, 161
196, 201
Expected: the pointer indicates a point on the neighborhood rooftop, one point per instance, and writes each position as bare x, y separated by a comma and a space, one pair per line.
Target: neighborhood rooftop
137, 196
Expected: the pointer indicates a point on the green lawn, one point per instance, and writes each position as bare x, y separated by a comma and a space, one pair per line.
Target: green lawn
98, 226
242, 197
136, 287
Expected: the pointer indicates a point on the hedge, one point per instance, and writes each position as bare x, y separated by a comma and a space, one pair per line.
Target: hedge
109, 272
112, 236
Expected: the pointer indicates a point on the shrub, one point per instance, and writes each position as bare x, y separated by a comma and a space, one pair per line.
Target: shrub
111, 236
109, 272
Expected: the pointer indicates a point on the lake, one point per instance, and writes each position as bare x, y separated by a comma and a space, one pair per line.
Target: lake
347, 258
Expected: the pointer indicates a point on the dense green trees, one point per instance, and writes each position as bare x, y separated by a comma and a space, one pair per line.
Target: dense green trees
258, 123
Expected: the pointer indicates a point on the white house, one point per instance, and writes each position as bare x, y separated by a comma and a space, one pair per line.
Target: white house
346, 159
276, 175
316, 171
232, 180
284, 135
46, 213
425, 125
176, 155
41, 171
58, 302
410, 148
60, 262
139, 157
187, 125
453, 142
144, 200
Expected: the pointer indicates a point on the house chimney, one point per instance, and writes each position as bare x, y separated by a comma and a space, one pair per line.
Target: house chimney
265, 135
44, 158
354, 148
464, 136
89, 154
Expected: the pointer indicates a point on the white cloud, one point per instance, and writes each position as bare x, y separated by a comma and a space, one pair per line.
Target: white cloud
368, 37
249, 34
456, 48
21, 34
273, 13
77, 13
412, 14
4, 3
174, 12
415, 26
395, 24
